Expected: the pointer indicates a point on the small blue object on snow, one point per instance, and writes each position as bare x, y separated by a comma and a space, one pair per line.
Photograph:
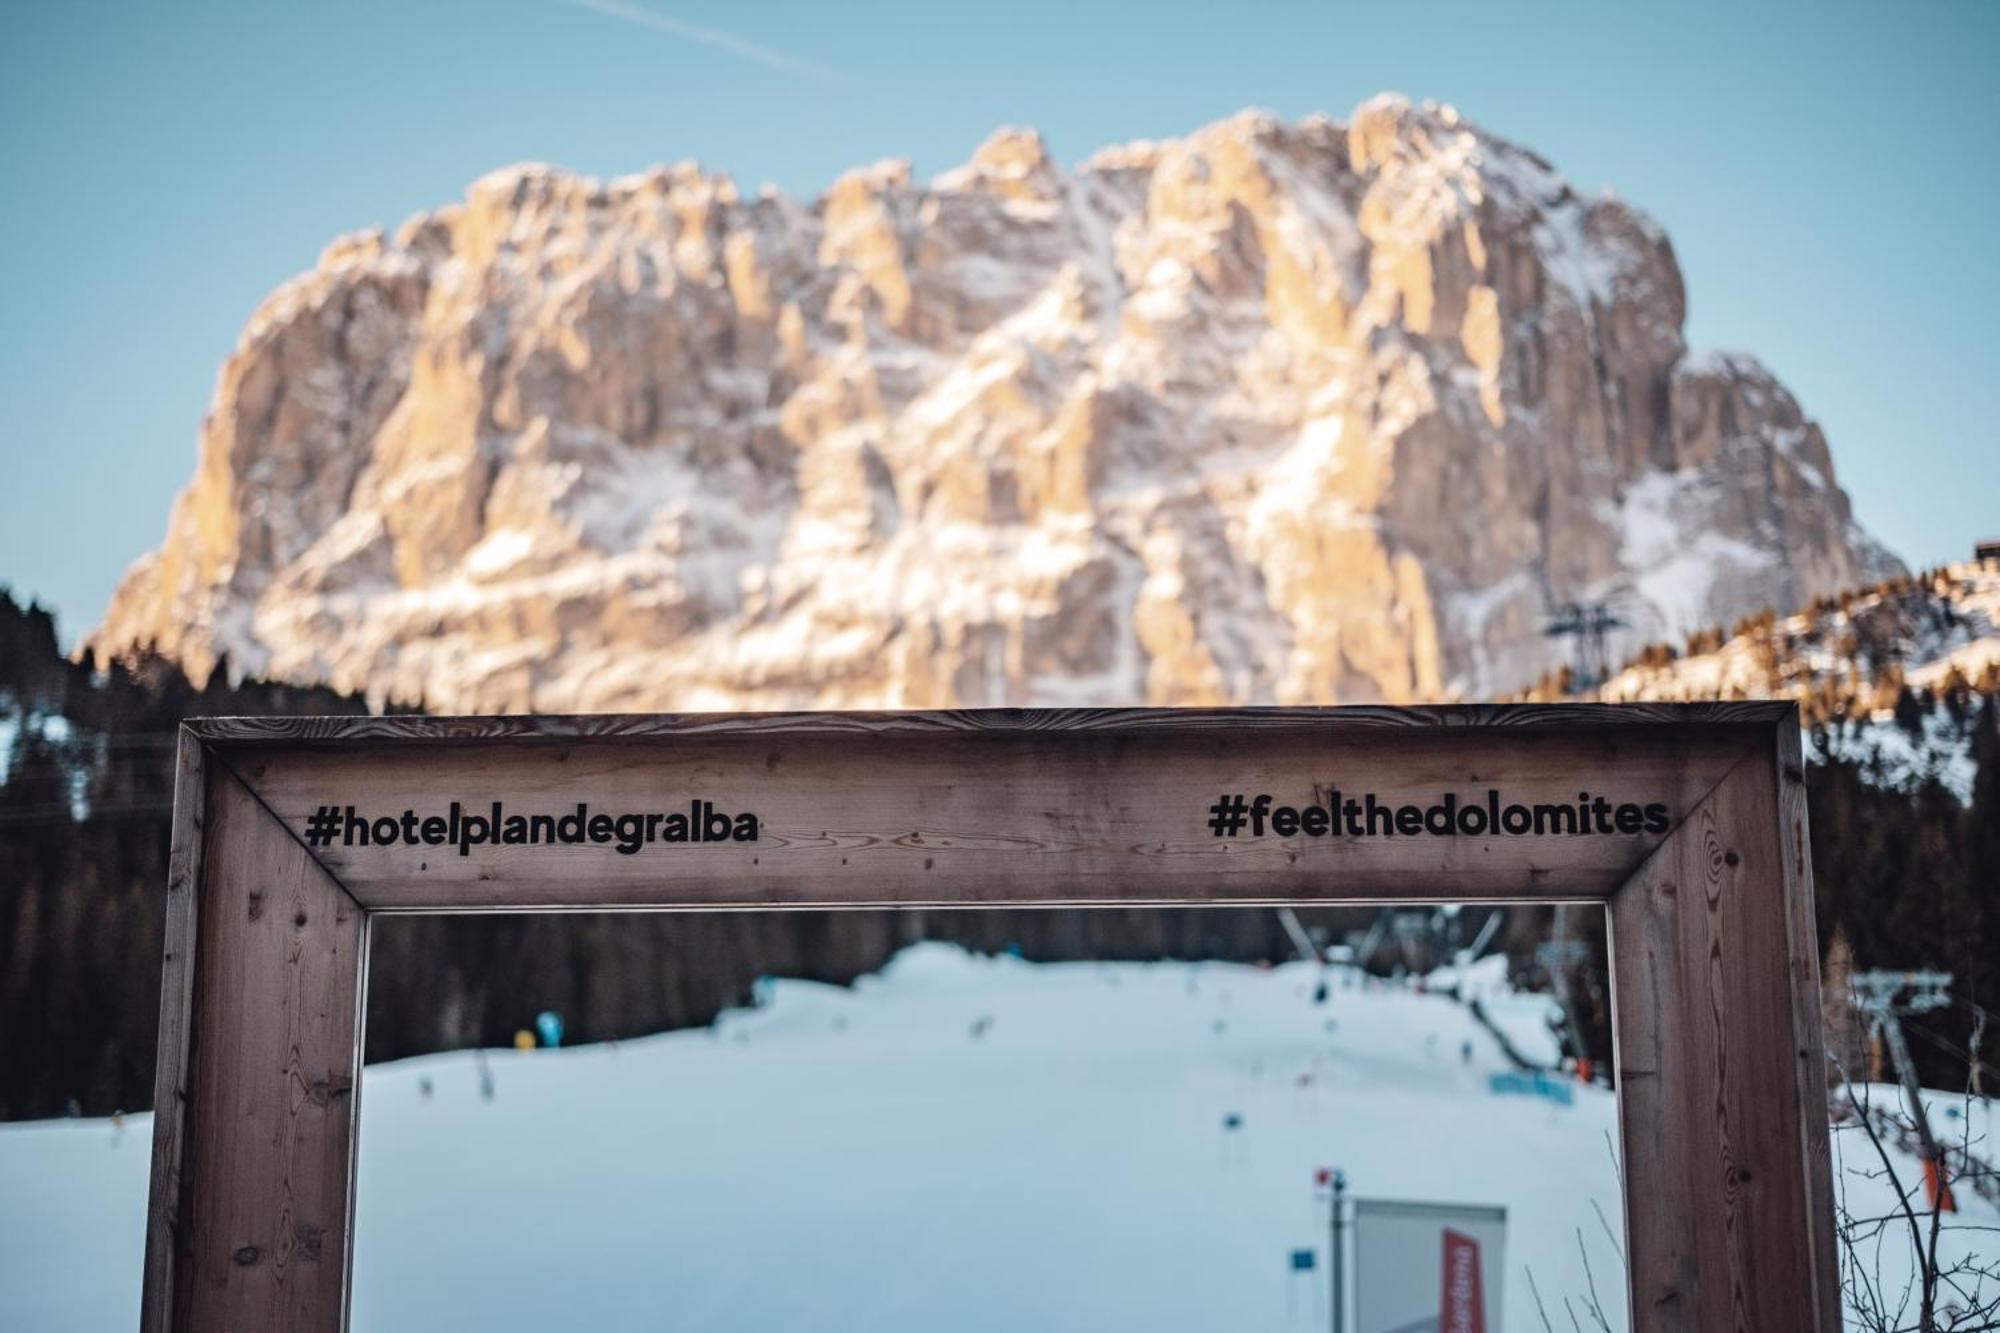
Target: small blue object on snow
1534, 1084
1233, 1120
1303, 1260
549, 1027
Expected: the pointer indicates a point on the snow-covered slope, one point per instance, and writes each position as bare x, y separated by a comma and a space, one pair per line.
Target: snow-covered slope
1887, 676
1293, 412
959, 1142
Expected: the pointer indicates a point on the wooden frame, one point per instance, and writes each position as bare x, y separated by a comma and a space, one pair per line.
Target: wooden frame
1729, 1214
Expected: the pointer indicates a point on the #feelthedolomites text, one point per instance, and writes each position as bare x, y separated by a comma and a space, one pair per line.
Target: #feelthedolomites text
1235, 815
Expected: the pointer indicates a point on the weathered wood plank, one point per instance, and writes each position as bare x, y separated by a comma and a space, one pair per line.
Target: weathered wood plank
184, 861
1728, 1194
405, 727
1809, 1053
945, 818
1723, 1200
265, 1161
1653, 1042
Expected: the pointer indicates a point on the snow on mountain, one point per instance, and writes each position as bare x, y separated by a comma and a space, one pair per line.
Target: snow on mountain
1887, 676
973, 1143
1295, 412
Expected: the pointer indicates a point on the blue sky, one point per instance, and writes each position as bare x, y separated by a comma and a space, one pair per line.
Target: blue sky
1828, 173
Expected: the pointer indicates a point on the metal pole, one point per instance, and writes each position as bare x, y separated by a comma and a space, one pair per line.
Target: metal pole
1880, 995
1336, 1263
1301, 941
1913, 1096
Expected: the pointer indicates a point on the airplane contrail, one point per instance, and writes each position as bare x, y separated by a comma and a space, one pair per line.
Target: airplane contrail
715, 37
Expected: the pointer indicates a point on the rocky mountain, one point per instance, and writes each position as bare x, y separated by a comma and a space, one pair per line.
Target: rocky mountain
1275, 412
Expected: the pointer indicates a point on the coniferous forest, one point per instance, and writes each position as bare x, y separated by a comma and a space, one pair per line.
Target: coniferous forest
1906, 877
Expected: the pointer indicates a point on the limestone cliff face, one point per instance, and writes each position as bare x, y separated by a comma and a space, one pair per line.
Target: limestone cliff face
1276, 412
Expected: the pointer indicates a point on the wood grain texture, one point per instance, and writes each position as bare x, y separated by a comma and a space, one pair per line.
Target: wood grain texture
1724, 1151
1809, 1053
1728, 1191
949, 817
184, 860
406, 727
1652, 1039
266, 1155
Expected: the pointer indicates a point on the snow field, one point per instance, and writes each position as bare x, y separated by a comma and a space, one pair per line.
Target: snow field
957, 1142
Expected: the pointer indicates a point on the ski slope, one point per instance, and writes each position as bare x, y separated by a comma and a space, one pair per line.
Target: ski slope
958, 1142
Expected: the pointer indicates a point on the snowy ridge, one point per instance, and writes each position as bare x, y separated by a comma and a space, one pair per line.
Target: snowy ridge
1848, 661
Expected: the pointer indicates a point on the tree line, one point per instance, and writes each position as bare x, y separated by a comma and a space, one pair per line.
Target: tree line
1907, 876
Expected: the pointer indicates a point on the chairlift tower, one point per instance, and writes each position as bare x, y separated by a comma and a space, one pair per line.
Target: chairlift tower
1586, 625
1421, 936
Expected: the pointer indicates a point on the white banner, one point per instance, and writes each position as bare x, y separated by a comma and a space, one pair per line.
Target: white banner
1428, 1267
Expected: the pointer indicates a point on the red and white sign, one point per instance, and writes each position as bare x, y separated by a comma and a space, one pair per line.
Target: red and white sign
1428, 1267
1462, 1309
